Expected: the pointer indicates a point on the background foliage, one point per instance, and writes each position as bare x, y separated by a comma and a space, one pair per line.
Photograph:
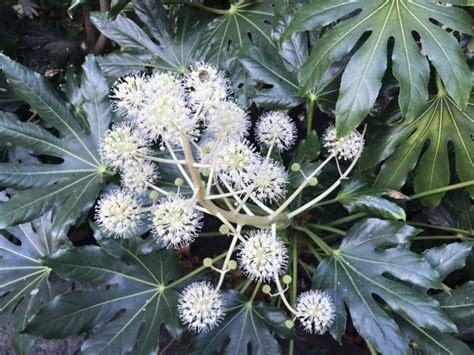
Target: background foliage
403, 225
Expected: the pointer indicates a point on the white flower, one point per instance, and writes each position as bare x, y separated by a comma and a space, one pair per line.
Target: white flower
315, 310
201, 307
234, 160
119, 213
269, 181
137, 175
346, 147
165, 116
129, 95
262, 256
176, 222
227, 120
163, 83
206, 85
276, 128
121, 145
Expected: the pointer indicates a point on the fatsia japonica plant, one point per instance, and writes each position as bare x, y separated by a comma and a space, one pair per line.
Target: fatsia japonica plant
248, 177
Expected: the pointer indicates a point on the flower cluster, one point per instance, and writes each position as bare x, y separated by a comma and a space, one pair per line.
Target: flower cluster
347, 147
193, 124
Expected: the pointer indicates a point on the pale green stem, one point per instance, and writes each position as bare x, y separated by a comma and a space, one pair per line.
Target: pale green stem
226, 261
300, 188
281, 292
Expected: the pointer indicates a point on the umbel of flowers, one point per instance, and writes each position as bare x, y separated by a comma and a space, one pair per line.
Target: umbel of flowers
192, 122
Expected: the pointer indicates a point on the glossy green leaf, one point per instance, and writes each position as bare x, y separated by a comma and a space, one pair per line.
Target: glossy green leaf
175, 53
244, 23
127, 315
117, 64
448, 258
358, 196
459, 304
247, 325
381, 21
24, 280
69, 187
401, 148
267, 67
371, 260
430, 341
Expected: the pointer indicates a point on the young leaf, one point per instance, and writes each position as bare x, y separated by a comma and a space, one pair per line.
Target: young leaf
73, 185
358, 196
371, 259
401, 149
383, 20
247, 325
137, 287
24, 280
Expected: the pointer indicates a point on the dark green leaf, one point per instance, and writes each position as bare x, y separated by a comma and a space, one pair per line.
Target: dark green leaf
384, 20
358, 196
247, 325
448, 258
459, 304
24, 283
401, 147
125, 32
117, 64
70, 187
154, 17
372, 258
137, 287
430, 341
266, 67
174, 55
244, 23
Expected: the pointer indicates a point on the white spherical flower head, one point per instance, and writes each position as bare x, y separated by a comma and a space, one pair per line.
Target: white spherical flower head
346, 147
206, 85
137, 175
315, 310
176, 222
121, 145
163, 83
277, 129
128, 94
269, 181
119, 213
165, 116
227, 120
262, 256
201, 307
234, 161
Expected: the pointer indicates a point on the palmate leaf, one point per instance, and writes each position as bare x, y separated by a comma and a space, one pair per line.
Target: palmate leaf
383, 20
125, 316
246, 329
246, 22
277, 71
366, 268
24, 280
72, 186
401, 147
457, 305
154, 46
